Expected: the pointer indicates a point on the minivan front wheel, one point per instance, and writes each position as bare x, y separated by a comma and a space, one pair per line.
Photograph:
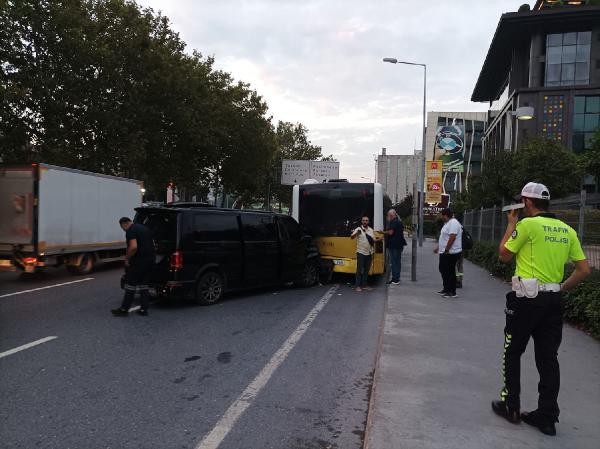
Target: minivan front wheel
310, 275
209, 288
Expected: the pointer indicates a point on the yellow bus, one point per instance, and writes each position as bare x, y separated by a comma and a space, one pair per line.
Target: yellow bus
330, 211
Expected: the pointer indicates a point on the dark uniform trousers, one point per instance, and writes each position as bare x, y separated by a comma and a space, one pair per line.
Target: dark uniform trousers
542, 319
137, 276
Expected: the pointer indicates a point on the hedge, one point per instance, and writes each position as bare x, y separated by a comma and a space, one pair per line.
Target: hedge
582, 304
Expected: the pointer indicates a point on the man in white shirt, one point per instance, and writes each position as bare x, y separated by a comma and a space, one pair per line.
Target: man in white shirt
364, 251
450, 250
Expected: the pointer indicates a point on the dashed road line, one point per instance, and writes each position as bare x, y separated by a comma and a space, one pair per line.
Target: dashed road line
235, 410
27, 346
45, 288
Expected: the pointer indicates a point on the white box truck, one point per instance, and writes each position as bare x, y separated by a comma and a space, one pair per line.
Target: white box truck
52, 216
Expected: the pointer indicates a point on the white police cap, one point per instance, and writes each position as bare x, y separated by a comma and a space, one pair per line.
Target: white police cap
535, 190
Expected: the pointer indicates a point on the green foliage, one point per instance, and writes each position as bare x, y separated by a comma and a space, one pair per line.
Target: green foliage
105, 86
582, 304
495, 181
504, 173
485, 255
549, 162
432, 228
291, 142
404, 207
591, 158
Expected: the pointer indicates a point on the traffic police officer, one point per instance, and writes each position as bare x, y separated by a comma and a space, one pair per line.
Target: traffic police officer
542, 245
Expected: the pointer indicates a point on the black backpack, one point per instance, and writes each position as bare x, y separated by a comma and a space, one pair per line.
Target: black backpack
467, 240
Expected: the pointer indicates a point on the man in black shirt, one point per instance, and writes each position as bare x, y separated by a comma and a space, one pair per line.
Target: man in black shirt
139, 261
394, 244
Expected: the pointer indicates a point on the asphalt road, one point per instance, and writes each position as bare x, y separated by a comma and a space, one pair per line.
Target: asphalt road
170, 379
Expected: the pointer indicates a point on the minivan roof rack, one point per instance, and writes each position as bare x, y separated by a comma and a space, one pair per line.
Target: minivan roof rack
188, 204
337, 180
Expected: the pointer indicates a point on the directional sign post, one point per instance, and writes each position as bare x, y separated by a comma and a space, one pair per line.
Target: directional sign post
296, 172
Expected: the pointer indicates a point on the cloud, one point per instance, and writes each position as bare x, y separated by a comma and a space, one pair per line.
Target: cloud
319, 62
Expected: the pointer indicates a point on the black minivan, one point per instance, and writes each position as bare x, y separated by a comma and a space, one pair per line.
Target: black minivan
204, 251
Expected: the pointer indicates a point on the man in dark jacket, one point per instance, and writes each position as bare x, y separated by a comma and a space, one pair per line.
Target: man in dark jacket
394, 244
139, 261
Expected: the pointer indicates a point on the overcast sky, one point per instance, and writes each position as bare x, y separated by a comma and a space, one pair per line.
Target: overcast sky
319, 62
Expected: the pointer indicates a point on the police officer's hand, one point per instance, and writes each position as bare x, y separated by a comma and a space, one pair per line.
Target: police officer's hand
127, 263
513, 217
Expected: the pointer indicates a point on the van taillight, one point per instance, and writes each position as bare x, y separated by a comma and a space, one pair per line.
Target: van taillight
176, 260
30, 260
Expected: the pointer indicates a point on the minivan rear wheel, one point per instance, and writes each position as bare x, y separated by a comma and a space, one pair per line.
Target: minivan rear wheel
209, 288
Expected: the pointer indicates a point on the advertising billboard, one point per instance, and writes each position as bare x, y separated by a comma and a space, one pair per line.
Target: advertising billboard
450, 147
434, 181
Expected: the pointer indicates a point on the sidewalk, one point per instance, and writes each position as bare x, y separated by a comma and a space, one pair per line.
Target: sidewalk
440, 367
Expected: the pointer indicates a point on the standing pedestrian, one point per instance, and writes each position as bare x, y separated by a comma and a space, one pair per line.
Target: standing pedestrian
394, 244
542, 245
139, 261
450, 249
364, 252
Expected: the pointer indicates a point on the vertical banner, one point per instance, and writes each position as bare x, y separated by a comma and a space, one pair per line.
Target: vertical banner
449, 147
433, 175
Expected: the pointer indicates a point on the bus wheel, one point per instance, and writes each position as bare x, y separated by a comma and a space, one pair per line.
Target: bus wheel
209, 288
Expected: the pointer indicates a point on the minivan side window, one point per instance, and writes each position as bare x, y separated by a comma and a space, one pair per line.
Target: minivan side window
290, 228
259, 228
216, 227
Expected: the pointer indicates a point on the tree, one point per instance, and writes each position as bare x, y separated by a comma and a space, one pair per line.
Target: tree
106, 86
591, 158
404, 207
291, 141
495, 181
549, 162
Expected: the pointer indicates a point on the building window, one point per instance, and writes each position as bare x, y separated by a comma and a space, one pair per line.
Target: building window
568, 59
586, 120
552, 117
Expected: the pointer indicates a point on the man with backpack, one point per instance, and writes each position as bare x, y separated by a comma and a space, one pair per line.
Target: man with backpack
450, 250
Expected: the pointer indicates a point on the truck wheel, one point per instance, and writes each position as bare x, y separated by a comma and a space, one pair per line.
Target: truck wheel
209, 288
85, 265
310, 275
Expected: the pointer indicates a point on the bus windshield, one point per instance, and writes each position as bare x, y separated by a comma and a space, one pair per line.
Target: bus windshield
334, 209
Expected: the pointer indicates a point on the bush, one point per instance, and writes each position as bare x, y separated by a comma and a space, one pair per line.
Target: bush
485, 255
582, 304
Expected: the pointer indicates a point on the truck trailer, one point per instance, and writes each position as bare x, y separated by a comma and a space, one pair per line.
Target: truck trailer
53, 216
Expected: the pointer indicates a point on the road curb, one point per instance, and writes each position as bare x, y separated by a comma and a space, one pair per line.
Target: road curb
370, 410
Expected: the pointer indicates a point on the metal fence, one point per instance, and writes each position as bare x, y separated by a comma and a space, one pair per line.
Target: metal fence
581, 212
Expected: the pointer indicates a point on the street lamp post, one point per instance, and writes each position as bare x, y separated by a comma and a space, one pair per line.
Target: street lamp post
421, 199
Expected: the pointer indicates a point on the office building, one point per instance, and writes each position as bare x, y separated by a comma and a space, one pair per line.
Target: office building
473, 124
541, 77
397, 173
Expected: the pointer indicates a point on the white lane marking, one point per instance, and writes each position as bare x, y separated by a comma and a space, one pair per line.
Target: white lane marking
45, 288
235, 410
27, 346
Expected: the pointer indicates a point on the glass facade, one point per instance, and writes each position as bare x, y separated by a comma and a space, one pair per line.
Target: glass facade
568, 59
586, 120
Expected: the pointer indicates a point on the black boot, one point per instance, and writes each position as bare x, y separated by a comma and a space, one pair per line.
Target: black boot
501, 409
536, 420
120, 312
